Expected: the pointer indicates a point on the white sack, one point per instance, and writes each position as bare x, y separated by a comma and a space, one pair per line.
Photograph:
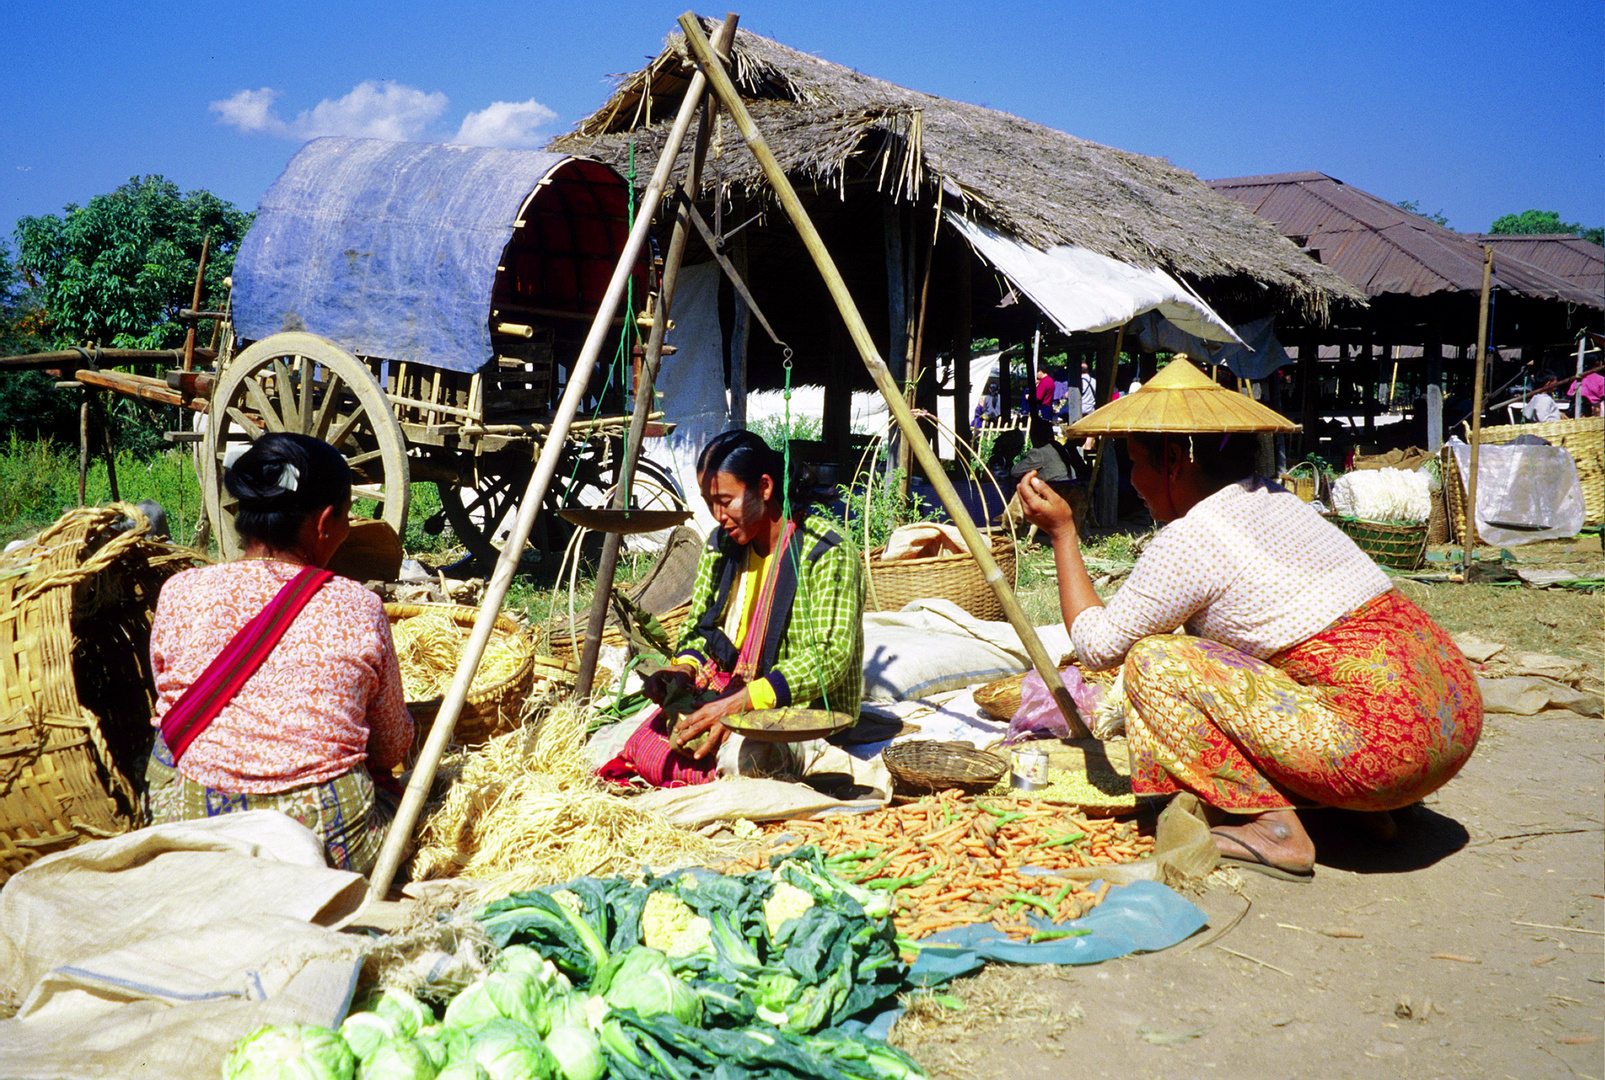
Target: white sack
933, 646
1524, 493
151, 954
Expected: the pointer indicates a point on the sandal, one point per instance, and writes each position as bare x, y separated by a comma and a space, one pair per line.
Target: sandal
1260, 864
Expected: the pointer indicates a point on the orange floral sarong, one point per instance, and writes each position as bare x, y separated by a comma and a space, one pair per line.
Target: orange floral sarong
1373, 713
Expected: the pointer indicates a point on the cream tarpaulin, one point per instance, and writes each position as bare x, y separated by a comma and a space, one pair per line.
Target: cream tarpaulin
1081, 290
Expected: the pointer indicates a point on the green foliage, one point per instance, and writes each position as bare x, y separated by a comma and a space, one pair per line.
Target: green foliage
38, 481
774, 430
1413, 206
879, 500
118, 270
1529, 222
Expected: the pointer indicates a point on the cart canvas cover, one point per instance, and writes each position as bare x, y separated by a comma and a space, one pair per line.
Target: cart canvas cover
387, 249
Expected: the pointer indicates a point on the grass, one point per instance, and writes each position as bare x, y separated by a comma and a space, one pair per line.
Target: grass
39, 481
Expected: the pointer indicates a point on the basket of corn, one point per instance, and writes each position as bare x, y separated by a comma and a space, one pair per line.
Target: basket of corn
429, 643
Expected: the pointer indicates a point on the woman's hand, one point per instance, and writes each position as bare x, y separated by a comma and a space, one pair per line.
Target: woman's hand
660, 683
1044, 507
709, 719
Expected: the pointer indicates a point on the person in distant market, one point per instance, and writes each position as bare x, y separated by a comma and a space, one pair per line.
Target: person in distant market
1541, 407
776, 619
1304, 679
1588, 391
1042, 396
277, 682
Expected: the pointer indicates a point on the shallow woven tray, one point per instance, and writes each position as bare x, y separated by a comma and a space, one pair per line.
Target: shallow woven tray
891, 585
923, 766
490, 710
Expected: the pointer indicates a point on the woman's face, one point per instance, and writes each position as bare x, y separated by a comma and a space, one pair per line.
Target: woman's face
739, 509
1148, 477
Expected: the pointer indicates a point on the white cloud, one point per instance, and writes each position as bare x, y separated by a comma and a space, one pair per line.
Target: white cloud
373, 110
511, 124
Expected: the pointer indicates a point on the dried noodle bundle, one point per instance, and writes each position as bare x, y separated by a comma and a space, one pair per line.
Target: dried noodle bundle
527, 811
430, 645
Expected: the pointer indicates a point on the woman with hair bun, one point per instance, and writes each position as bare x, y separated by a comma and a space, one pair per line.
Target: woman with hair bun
776, 619
277, 682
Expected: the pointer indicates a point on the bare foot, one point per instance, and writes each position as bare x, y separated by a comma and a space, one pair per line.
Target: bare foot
1277, 837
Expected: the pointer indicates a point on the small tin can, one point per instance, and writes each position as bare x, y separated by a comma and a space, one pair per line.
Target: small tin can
1029, 768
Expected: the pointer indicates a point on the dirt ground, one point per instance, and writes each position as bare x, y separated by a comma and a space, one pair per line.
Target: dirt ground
1419, 957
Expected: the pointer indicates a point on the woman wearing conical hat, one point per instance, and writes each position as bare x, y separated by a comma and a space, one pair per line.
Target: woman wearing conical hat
1304, 678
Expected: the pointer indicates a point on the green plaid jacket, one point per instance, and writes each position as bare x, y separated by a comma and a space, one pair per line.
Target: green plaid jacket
820, 661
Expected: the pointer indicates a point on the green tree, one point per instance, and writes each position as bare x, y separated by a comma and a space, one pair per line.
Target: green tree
1413, 206
30, 405
117, 271
1529, 222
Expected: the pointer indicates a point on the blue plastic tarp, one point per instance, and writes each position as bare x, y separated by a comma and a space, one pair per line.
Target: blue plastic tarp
1143, 916
387, 249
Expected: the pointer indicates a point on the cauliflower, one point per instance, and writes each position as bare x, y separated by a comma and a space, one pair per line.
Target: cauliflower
785, 905
672, 928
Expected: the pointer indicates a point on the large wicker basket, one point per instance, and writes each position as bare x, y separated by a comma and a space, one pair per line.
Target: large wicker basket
891, 585
1398, 547
488, 710
76, 690
1584, 439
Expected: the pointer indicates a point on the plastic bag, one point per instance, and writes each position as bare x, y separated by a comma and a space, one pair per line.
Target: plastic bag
1039, 718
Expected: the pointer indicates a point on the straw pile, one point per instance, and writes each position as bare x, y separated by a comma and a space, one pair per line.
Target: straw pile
526, 810
430, 645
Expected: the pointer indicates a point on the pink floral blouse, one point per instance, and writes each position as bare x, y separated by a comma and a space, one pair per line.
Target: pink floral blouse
326, 701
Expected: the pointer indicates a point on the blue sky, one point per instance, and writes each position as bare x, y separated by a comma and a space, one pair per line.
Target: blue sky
1476, 108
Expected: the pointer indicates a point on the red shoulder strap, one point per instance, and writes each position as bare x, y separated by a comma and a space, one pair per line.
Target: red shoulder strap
198, 706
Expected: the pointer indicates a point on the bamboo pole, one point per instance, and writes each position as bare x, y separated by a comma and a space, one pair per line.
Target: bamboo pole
423, 774
1476, 409
195, 305
602, 597
927, 458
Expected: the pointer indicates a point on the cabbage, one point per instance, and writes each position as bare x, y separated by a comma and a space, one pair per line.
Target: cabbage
445, 1044
644, 980
512, 1051
397, 1059
290, 1052
523, 958
578, 1052
506, 994
363, 1031
407, 1013
463, 1070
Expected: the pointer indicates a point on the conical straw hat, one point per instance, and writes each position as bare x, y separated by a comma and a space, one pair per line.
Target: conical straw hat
1183, 400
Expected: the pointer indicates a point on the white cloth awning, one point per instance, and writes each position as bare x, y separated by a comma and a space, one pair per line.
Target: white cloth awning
1081, 290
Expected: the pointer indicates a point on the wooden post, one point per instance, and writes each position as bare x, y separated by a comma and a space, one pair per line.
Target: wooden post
552, 447
1476, 409
1432, 354
1309, 369
195, 305
980, 549
612, 543
962, 356
741, 336
1105, 483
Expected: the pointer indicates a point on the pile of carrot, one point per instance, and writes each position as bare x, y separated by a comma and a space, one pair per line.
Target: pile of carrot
951, 860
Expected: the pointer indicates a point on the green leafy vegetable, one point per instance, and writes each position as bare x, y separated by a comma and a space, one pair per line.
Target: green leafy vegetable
397, 1059
290, 1052
363, 1031
783, 908
511, 1051
578, 1052
644, 981
505, 995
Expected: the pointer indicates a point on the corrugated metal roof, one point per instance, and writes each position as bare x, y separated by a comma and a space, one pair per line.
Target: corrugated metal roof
1383, 249
1572, 258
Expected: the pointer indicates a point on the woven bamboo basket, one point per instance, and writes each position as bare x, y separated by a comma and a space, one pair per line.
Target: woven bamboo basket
1399, 547
1000, 700
566, 646
1584, 439
76, 689
489, 710
923, 766
1303, 480
891, 585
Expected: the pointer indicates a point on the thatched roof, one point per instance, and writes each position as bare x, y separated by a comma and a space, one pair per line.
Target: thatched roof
831, 126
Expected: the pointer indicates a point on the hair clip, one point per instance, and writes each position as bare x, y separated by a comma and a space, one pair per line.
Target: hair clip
289, 477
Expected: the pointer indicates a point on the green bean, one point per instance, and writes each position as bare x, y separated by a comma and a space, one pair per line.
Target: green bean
898, 883
1054, 935
1067, 838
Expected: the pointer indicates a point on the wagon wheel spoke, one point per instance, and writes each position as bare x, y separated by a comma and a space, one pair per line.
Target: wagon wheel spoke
363, 459
333, 388
288, 410
376, 492
309, 385
249, 425
258, 400
344, 428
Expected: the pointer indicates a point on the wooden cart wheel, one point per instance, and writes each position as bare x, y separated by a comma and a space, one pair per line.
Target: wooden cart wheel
481, 511
305, 384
